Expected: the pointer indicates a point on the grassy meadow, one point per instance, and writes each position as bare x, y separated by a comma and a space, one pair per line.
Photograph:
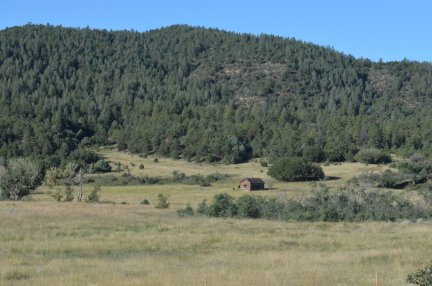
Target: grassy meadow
43, 242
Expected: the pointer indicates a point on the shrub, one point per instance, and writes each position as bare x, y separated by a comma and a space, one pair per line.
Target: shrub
295, 169
101, 166
421, 277
417, 158
84, 156
93, 197
351, 203
373, 156
16, 275
155, 160
57, 195
187, 211
223, 206
203, 208
248, 207
203, 181
68, 194
178, 176
162, 202
414, 167
19, 178
141, 166
145, 202
389, 179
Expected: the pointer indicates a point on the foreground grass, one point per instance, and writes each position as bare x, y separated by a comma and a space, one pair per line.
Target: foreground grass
48, 243
43, 242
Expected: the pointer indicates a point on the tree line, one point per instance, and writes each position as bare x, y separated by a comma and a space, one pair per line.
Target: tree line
203, 95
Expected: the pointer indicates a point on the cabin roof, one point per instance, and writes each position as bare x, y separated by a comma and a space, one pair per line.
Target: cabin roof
253, 180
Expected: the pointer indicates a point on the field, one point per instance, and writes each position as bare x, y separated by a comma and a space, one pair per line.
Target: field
43, 242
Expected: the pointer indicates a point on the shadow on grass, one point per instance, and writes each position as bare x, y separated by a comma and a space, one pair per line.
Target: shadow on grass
332, 178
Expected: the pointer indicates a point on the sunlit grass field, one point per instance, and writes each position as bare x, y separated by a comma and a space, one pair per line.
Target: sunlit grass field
43, 242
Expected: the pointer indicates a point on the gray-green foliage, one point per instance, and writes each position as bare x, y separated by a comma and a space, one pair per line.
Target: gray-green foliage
101, 166
187, 211
93, 197
295, 169
421, 277
352, 203
195, 95
18, 178
373, 156
162, 201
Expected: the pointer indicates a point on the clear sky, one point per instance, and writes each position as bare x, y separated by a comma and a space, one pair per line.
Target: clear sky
387, 29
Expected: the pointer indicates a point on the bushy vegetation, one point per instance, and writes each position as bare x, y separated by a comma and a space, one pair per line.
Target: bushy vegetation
295, 169
18, 178
94, 196
415, 167
126, 179
346, 204
204, 181
177, 177
421, 277
203, 95
162, 201
187, 211
101, 166
84, 157
413, 172
373, 156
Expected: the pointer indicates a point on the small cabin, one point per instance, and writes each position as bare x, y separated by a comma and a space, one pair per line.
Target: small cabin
251, 184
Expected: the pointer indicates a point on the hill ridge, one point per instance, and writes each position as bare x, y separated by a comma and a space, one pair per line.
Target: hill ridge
203, 94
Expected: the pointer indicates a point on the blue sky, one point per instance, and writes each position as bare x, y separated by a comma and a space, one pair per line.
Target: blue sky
390, 30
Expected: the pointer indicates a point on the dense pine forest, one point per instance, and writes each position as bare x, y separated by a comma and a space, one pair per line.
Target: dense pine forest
203, 95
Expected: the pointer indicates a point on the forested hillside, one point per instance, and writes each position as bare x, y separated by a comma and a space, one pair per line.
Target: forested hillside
203, 94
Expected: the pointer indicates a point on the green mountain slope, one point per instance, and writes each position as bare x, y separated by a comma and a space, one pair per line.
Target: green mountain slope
203, 94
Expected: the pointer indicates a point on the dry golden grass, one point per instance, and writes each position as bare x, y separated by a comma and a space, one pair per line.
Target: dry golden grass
43, 242
48, 243
165, 167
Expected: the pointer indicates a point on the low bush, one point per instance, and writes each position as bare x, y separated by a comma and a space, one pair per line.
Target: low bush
162, 201
414, 167
421, 277
93, 197
16, 275
145, 202
204, 181
127, 179
187, 211
295, 169
100, 166
223, 206
373, 156
84, 157
351, 203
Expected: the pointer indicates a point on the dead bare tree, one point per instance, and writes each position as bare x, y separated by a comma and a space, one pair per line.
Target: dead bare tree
80, 177
74, 175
